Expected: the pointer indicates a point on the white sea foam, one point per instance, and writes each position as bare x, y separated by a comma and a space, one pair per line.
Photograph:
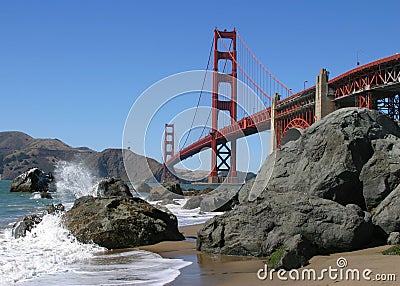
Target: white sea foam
48, 248
50, 255
188, 217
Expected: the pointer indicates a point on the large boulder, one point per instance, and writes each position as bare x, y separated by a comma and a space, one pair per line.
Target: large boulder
113, 187
168, 190
329, 157
387, 214
33, 180
260, 227
120, 222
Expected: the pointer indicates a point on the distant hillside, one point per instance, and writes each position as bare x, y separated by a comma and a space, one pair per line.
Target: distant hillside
19, 152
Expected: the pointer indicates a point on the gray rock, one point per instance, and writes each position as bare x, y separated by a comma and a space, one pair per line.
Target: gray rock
33, 180
120, 222
142, 187
113, 187
219, 200
193, 203
394, 238
24, 224
387, 214
381, 174
170, 190
329, 156
260, 227
297, 251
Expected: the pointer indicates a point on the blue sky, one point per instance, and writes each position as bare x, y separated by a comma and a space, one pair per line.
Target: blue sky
72, 69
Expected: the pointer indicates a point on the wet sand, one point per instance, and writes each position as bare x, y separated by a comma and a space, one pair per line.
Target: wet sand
208, 269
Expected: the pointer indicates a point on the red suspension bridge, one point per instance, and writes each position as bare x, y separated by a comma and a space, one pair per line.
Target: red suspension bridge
272, 106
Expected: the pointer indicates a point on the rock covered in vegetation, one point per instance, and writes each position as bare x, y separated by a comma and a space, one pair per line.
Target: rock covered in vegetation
33, 180
120, 222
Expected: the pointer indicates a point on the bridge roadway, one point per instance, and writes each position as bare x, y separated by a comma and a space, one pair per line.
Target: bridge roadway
361, 87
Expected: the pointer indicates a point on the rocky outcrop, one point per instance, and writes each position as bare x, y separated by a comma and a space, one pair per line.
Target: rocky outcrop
329, 157
387, 214
113, 187
24, 224
259, 228
120, 222
168, 190
33, 180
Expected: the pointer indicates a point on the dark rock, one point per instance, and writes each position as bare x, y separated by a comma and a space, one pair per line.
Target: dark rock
113, 187
55, 209
120, 222
170, 190
381, 174
387, 214
260, 227
193, 203
394, 238
219, 200
296, 253
24, 224
329, 156
33, 180
45, 195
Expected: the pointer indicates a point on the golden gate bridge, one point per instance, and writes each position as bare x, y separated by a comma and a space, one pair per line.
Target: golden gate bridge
274, 107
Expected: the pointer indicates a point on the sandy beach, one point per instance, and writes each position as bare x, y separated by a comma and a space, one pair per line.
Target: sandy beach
207, 269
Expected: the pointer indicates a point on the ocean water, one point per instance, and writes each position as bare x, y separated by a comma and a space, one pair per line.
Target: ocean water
50, 255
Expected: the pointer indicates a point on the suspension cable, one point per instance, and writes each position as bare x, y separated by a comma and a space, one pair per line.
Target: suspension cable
209, 114
201, 92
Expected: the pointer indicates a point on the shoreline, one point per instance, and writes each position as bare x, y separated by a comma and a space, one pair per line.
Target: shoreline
213, 269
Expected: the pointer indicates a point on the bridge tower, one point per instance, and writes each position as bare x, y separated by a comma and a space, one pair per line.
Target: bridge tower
169, 151
223, 156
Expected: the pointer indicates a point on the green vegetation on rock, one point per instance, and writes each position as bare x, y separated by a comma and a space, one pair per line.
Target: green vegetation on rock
394, 250
275, 257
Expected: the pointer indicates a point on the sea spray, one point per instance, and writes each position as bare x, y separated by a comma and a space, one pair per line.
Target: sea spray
48, 248
74, 180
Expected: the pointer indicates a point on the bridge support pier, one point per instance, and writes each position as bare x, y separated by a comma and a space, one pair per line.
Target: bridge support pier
169, 151
273, 133
323, 102
220, 151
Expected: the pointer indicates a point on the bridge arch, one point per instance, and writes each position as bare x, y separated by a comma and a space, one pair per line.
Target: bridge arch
293, 130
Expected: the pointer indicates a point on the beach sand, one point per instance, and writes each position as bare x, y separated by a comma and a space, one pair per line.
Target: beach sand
208, 269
